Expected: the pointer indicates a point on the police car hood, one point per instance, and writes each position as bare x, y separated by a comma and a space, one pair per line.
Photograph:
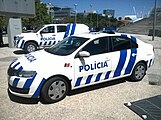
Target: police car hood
26, 34
41, 60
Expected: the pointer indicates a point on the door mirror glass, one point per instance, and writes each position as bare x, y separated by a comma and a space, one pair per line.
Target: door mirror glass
84, 54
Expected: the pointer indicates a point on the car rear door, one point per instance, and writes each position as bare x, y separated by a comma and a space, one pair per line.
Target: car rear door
123, 56
60, 32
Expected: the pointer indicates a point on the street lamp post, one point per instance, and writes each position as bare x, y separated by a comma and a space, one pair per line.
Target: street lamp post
75, 5
97, 18
91, 14
154, 21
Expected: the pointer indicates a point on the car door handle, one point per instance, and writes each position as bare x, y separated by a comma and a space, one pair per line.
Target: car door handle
53, 35
108, 59
134, 54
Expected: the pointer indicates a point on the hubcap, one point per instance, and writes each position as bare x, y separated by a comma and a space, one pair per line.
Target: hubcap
56, 90
139, 72
31, 48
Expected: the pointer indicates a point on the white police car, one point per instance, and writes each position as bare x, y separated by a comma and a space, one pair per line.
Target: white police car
79, 61
47, 35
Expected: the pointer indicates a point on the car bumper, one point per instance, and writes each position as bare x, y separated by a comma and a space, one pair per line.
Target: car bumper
25, 87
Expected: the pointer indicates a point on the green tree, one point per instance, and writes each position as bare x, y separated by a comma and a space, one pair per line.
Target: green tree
41, 16
2, 21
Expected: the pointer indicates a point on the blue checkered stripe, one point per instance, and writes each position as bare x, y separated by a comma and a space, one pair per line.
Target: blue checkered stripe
20, 43
25, 82
47, 43
118, 70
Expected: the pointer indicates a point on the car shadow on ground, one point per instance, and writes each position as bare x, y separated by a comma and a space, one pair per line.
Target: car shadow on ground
19, 52
71, 93
95, 87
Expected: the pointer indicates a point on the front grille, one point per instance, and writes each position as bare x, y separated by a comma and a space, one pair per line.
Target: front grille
19, 90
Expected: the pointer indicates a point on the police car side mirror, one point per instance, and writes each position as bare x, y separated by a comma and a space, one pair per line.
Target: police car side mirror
83, 54
41, 32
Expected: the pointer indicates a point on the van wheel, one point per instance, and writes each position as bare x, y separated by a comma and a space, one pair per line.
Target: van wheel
139, 72
30, 47
54, 90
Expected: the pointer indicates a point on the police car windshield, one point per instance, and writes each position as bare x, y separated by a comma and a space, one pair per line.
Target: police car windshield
37, 29
66, 46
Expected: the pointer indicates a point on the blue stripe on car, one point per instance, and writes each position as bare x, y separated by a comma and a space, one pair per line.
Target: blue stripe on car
73, 29
78, 81
18, 42
16, 65
45, 43
131, 61
49, 42
123, 35
123, 55
133, 38
40, 43
67, 31
29, 82
37, 92
20, 68
107, 75
15, 82
54, 43
88, 79
22, 44
98, 77
150, 62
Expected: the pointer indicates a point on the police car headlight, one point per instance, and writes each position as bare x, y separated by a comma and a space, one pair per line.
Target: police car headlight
27, 74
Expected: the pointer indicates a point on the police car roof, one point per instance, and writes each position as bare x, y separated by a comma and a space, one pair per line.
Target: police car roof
93, 35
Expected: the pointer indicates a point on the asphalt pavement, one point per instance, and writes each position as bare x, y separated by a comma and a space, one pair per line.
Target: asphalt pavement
101, 102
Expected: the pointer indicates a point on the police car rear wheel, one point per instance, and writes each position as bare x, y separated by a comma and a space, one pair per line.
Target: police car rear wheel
138, 72
30, 47
54, 90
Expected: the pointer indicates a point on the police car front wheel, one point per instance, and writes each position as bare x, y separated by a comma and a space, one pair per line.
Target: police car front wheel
139, 72
30, 47
54, 90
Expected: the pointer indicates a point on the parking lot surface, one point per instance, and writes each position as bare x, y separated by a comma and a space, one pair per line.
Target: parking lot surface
101, 102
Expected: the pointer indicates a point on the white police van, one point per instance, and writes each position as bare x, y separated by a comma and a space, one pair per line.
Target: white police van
47, 35
79, 61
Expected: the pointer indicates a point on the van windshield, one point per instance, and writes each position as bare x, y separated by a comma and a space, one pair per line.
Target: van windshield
67, 46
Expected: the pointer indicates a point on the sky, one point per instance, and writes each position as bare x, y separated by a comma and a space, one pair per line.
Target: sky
121, 7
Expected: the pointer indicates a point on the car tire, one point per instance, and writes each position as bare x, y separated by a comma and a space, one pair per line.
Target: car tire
30, 47
139, 72
54, 90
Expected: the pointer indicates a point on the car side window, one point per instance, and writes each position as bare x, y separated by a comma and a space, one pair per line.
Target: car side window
61, 28
120, 43
49, 29
97, 46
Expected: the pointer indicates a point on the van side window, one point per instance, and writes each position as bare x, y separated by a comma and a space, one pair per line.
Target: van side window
61, 28
49, 29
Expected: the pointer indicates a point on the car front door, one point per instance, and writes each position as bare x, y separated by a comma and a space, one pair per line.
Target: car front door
47, 36
96, 67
